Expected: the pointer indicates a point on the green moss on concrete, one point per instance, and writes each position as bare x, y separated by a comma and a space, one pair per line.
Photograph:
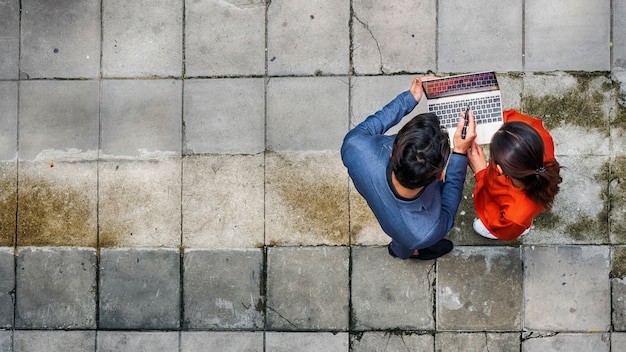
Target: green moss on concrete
619, 120
589, 228
546, 220
618, 262
617, 198
579, 106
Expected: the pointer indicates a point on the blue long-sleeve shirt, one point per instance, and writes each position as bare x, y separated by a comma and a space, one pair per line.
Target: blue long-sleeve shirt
414, 224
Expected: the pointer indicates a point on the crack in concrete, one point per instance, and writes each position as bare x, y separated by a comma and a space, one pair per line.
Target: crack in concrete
538, 334
280, 315
366, 26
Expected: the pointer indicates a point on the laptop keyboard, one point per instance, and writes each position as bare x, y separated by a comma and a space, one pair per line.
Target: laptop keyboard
485, 110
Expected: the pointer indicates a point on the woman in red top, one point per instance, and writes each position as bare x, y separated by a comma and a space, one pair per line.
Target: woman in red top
520, 181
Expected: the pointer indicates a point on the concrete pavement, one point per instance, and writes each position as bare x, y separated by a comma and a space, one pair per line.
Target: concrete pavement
171, 178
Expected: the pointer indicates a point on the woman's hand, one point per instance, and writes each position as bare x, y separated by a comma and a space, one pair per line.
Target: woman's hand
476, 158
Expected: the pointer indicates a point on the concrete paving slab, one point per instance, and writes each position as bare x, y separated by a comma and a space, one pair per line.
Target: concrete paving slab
597, 342
618, 304
511, 88
8, 119
574, 295
571, 106
618, 341
478, 341
618, 288
10, 39
557, 33
135, 341
306, 199
480, 289
225, 116
306, 113
60, 39
6, 341
406, 44
307, 289
56, 288
617, 200
618, 47
141, 117
58, 119
57, 203
142, 39
223, 201
480, 36
389, 293
54, 341
140, 203
139, 289
224, 38
579, 214
223, 289
306, 38
235, 341
391, 341
618, 261
8, 203
7, 288
306, 341
618, 132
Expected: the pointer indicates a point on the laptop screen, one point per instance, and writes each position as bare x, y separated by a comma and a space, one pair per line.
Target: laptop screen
461, 84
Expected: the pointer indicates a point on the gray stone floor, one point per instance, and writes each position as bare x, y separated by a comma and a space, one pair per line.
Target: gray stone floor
170, 177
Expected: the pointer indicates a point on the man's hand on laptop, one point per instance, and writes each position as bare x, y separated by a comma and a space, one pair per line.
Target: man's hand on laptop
461, 145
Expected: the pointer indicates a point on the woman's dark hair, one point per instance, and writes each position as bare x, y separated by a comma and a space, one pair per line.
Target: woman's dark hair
420, 151
518, 149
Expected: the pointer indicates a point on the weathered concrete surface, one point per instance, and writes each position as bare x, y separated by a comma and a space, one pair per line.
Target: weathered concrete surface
480, 289
406, 44
224, 116
177, 128
130, 341
54, 341
228, 341
223, 289
302, 23
57, 288
599, 342
139, 289
298, 299
306, 341
573, 295
7, 285
306, 199
140, 40
477, 341
223, 201
391, 294
227, 49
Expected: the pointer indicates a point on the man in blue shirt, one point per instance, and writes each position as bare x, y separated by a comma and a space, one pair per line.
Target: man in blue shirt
401, 176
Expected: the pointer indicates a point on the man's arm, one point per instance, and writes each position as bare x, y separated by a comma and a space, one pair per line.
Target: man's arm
389, 116
456, 172
393, 112
452, 190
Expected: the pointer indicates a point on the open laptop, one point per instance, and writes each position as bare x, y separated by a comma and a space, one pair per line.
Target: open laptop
449, 96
